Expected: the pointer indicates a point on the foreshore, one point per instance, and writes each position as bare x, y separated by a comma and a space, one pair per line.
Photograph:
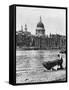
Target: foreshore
29, 68
41, 76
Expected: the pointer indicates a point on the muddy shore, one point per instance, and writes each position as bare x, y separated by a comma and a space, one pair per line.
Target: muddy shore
40, 76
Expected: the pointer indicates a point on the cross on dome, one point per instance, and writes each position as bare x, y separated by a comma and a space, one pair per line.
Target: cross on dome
40, 19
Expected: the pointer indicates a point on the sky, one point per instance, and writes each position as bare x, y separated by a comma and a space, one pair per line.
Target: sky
54, 20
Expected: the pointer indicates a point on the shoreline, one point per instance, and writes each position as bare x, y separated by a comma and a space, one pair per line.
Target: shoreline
21, 49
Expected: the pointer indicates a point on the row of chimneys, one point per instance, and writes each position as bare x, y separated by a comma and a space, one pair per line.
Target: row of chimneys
25, 27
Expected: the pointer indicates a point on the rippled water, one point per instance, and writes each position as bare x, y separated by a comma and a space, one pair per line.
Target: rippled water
32, 59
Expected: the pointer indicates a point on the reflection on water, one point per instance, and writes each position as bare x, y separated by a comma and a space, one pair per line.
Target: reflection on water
32, 59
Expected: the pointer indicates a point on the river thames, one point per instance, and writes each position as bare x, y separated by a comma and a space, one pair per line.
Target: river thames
29, 66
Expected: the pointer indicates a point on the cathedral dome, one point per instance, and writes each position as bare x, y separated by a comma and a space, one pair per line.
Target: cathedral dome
40, 24
40, 30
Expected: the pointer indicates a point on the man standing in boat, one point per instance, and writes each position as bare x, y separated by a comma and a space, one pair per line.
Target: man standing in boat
59, 62
61, 59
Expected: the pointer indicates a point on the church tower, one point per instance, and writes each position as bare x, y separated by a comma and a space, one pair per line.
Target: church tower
40, 30
25, 27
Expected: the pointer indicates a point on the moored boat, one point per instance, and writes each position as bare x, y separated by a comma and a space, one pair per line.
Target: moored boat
50, 64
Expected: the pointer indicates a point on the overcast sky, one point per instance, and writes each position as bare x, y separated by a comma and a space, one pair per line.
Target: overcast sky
53, 19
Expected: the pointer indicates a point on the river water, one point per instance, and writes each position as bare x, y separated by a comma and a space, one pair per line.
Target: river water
31, 60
